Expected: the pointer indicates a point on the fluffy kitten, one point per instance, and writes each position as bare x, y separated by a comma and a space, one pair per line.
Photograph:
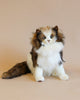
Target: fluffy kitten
45, 58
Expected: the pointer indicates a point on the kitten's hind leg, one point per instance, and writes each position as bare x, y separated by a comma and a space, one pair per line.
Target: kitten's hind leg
60, 72
17, 70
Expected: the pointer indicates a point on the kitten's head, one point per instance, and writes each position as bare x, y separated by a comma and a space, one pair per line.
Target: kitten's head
46, 35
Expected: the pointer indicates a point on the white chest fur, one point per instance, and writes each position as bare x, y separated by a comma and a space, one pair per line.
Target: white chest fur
48, 63
49, 57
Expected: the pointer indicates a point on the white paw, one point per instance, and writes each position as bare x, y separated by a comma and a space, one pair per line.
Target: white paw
39, 79
64, 77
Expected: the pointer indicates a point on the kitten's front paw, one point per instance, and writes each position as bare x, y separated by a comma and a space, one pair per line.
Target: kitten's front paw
39, 79
64, 77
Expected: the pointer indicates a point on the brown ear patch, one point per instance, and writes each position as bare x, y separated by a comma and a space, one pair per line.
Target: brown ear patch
35, 42
55, 29
38, 37
60, 37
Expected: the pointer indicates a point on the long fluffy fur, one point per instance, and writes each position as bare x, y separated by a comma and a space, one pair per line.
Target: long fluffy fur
45, 58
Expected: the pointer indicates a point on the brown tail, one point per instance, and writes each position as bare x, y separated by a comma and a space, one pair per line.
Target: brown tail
17, 70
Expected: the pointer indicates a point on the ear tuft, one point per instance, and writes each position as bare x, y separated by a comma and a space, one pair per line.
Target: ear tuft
55, 28
38, 31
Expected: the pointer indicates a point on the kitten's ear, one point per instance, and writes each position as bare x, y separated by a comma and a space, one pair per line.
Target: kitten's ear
38, 31
55, 29
35, 41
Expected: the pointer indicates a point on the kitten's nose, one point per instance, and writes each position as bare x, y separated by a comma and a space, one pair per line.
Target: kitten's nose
48, 40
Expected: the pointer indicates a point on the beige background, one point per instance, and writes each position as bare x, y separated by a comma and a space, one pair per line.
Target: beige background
18, 19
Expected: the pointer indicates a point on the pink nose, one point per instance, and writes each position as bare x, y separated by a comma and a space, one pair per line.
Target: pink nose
48, 40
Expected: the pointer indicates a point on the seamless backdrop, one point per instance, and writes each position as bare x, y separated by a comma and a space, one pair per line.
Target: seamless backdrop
20, 18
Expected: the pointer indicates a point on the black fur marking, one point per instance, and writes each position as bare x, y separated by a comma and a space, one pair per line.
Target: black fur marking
55, 29
61, 55
60, 62
34, 57
17, 70
38, 33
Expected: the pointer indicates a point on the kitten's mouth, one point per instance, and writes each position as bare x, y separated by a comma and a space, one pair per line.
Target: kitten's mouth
48, 40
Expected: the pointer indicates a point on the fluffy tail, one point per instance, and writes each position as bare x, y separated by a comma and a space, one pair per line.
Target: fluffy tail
17, 70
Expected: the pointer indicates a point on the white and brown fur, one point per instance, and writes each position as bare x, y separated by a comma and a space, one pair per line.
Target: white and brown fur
46, 56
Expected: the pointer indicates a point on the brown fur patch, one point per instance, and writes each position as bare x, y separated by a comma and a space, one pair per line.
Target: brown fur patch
59, 35
34, 57
35, 42
38, 37
41, 37
17, 70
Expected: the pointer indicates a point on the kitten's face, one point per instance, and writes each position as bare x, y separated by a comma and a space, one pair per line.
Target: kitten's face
47, 36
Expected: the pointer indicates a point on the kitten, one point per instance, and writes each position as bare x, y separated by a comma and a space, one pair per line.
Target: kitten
45, 58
